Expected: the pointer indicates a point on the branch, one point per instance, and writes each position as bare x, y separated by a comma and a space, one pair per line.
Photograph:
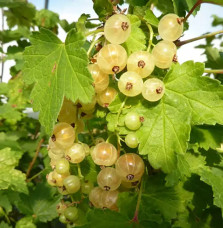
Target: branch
180, 43
35, 157
192, 10
219, 71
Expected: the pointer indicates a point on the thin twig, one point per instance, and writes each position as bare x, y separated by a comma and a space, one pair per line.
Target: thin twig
35, 157
192, 10
136, 218
36, 175
180, 43
217, 71
150, 36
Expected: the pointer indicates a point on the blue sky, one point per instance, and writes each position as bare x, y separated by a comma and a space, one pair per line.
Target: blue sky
72, 9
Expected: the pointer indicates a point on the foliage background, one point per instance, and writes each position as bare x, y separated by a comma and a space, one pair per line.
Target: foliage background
188, 190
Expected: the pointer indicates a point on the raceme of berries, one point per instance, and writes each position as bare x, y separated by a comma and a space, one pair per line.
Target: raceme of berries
170, 27
108, 179
101, 80
130, 167
164, 53
104, 154
117, 29
141, 62
153, 89
112, 58
132, 121
105, 98
63, 135
65, 150
130, 84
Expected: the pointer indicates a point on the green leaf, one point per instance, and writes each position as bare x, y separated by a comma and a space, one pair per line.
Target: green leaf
213, 177
4, 225
189, 99
26, 222
9, 113
207, 137
21, 15
9, 140
137, 38
214, 58
197, 93
107, 218
40, 203
10, 35
102, 8
89, 169
12, 3
46, 18
164, 199
165, 6
217, 20
66, 26
58, 70
151, 18
137, 2
5, 202
11, 178
181, 6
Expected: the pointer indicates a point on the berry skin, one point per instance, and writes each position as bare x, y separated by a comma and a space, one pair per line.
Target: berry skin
109, 200
86, 187
89, 106
164, 53
68, 112
62, 166
50, 180
101, 80
131, 140
153, 89
130, 167
63, 219
72, 184
106, 97
108, 179
61, 207
112, 59
132, 121
75, 154
141, 62
130, 84
54, 148
104, 154
58, 178
71, 214
170, 27
63, 135
117, 29
95, 196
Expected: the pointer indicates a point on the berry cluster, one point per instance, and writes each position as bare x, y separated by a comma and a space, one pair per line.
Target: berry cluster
117, 172
112, 59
